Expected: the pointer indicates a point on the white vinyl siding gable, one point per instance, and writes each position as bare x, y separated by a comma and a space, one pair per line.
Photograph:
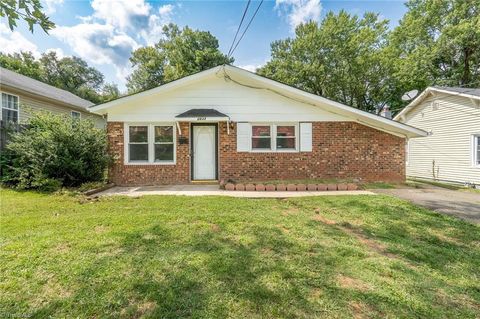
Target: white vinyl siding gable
448, 152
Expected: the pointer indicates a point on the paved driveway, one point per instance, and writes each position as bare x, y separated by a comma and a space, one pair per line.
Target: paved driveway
465, 205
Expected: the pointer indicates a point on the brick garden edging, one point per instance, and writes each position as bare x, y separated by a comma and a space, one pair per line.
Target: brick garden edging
290, 187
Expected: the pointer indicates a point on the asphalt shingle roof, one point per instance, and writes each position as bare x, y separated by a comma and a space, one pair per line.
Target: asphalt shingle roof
24, 83
475, 92
201, 113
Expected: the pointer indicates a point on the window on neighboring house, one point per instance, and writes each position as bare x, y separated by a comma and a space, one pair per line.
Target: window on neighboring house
9, 108
286, 137
153, 144
476, 150
163, 144
76, 115
138, 144
261, 137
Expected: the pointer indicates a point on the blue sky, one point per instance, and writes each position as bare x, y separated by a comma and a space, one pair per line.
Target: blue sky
104, 32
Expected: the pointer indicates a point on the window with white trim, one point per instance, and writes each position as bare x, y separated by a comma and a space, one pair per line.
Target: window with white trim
476, 150
286, 137
76, 115
138, 144
261, 137
150, 144
274, 137
10, 108
163, 144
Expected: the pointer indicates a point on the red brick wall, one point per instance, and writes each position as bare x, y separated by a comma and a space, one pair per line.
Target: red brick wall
127, 175
340, 150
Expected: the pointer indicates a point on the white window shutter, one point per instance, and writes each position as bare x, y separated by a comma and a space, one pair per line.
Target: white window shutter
305, 137
243, 137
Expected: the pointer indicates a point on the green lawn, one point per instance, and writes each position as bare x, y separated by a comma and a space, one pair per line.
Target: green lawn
218, 257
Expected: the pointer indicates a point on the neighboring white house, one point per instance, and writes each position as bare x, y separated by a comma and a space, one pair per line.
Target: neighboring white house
451, 151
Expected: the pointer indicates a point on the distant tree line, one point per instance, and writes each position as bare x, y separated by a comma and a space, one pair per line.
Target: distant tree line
69, 73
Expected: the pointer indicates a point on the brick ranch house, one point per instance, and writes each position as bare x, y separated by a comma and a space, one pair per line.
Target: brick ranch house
226, 123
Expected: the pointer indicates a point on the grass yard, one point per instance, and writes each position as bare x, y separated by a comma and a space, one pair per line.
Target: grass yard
218, 257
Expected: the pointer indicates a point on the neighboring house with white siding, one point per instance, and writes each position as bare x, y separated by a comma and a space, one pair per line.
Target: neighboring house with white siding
21, 96
451, 151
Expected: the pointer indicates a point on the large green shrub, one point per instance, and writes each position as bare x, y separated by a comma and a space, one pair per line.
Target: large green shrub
53, 151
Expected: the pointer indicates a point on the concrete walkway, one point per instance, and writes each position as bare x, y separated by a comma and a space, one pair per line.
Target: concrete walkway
213, 190
462, 204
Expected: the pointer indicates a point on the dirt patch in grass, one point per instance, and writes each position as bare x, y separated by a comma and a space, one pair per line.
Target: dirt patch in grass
362, 238
62, 248
360, 310
352, 283
145, 307
215, 228
100, 229
284, 229
324, 220
291, 211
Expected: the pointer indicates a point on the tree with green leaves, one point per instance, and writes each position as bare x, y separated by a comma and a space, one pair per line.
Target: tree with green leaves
23, 63
28, 10
436, 43
342, 58
72, 74
180, 53
109, 92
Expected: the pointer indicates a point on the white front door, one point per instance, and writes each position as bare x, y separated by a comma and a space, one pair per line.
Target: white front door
204, 152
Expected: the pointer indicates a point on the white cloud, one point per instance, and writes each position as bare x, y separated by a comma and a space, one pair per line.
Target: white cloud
299, 11
123, 14
156, 23
114, 30
166, 10
14, 41
99, 44
51, 5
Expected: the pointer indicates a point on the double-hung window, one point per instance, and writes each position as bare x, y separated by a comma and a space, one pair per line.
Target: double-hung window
476, 150
286, 139
164, 146
261, 137
138, 144
10, 108
154, 144
274, 137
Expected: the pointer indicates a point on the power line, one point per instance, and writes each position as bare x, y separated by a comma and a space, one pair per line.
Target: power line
238, 29
246, 28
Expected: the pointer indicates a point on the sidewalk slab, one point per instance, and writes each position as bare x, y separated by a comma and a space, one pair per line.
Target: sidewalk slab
213, 190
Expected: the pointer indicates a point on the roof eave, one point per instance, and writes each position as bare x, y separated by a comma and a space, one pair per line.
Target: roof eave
424, 95
47, 98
